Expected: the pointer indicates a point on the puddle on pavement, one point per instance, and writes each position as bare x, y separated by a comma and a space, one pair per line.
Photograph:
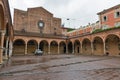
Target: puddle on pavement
28, 61
14, 62
31, 61
42, 68
22, 62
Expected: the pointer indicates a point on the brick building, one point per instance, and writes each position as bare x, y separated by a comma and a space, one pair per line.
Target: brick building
110, 17
100, 38
37, 28
37, 20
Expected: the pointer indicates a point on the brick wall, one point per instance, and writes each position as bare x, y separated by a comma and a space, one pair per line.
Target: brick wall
28, 20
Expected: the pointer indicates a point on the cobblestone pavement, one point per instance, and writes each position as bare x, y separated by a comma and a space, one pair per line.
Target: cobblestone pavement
61, 67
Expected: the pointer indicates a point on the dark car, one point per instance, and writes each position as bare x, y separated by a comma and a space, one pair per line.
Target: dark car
38, 52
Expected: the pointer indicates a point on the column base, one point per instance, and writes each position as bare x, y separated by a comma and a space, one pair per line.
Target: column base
5, 57
1, 62
49, 53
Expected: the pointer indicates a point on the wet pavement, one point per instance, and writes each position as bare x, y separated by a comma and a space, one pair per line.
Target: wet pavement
61, 67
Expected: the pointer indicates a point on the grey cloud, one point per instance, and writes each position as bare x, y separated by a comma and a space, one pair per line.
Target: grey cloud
80, 12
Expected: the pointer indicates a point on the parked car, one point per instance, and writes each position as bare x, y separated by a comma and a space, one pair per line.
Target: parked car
38, 52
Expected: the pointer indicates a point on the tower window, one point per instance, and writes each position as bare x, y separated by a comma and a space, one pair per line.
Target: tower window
105, 18
117, 14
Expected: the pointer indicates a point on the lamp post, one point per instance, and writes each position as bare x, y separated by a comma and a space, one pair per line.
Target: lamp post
68, 19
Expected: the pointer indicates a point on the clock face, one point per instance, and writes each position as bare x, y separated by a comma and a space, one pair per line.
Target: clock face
41, 24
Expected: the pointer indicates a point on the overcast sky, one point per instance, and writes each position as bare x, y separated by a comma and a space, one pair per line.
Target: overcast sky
79, 12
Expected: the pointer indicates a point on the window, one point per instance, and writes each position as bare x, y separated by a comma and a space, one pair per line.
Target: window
117, 14
117, 24
105, 27
105, 18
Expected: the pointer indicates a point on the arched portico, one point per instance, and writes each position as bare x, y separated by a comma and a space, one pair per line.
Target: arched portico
54, 47
62, 47
70, 47
44, 46
86, 47
2, 31
19, 47
112, 45
77, 46
32, 45
98, 46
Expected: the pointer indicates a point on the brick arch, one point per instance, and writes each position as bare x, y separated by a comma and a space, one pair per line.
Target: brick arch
85, 39
77, 46
62, 47
32, 45
69, 41
86, 46
111, 34
54, 47
59, 41
62, 42
70, 47
43, 45
112, 44
76, 40
20, 39
97, 37
19, 47
32, 40
44, 40
54, 41
98, 46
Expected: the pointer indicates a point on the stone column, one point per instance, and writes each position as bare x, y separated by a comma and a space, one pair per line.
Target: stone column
38, 46
81, 48
1, 49
25, 49
66, 48
58, 49
104, 47
92, 48
10, 48
73, 49
6, 48
48, 48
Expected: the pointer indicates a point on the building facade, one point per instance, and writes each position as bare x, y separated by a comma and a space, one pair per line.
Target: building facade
110, 17
6, 31
100, 38
37, 28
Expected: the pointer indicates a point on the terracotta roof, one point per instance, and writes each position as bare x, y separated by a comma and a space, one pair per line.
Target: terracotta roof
106, 10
